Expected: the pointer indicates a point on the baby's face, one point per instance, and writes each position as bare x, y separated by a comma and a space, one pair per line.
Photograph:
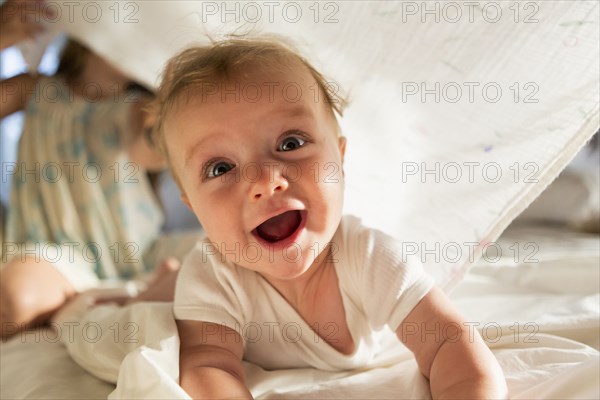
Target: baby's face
262, 172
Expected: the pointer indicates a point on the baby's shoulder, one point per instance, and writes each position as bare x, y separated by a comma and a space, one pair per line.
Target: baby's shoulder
366, 250
357, 238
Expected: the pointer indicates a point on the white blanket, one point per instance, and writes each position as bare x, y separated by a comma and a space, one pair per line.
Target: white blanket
504, 151
461, 112
540, 319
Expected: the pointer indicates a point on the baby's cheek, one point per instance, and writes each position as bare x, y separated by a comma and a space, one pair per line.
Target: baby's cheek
208, 214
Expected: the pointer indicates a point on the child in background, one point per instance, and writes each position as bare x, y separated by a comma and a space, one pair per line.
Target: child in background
82, 210
249, 130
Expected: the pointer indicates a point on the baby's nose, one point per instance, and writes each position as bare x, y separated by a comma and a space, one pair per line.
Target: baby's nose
269, 182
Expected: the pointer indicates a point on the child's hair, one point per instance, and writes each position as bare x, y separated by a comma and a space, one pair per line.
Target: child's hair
72, 59
220, 62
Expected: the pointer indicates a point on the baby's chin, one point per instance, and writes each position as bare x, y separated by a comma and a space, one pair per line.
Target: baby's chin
284, 264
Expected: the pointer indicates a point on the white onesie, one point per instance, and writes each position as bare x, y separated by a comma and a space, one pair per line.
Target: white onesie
378, 287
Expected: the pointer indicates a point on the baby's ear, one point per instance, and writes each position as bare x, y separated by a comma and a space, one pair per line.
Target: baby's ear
342, 146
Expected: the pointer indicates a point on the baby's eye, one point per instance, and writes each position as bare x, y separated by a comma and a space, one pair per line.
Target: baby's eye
217, 169
291, 143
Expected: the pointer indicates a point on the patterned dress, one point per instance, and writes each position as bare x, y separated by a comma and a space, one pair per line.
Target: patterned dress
77, 201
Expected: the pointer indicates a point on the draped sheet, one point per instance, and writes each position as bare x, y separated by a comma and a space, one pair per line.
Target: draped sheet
455, 125
461, 113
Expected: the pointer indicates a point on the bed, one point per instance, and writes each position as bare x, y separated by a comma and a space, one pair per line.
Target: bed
536, 303
537, 310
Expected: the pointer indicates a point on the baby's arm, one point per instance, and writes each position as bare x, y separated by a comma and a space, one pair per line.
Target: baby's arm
457, 365
210, 361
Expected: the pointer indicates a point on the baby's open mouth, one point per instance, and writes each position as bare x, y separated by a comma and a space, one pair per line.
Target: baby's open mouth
279, 227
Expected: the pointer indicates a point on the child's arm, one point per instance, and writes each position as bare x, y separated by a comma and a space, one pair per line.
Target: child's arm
457, 365
19, 21
210, 361
15, 92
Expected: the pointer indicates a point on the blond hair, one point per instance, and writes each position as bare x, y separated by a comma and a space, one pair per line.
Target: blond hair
223, 61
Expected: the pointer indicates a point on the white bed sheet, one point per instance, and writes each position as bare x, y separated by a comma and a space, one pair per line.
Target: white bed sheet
554, 302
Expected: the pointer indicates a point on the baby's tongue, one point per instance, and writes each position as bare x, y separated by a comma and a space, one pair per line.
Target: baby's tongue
279, 227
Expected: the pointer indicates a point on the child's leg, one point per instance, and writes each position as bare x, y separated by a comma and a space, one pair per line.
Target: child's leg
30, 292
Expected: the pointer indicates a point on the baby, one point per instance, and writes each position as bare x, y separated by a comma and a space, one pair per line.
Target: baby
282, 279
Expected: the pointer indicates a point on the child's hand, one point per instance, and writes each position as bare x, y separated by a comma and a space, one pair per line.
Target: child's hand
75, 308
20, 20
161, 287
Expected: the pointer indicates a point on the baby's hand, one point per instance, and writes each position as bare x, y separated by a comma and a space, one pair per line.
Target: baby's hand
21, 19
